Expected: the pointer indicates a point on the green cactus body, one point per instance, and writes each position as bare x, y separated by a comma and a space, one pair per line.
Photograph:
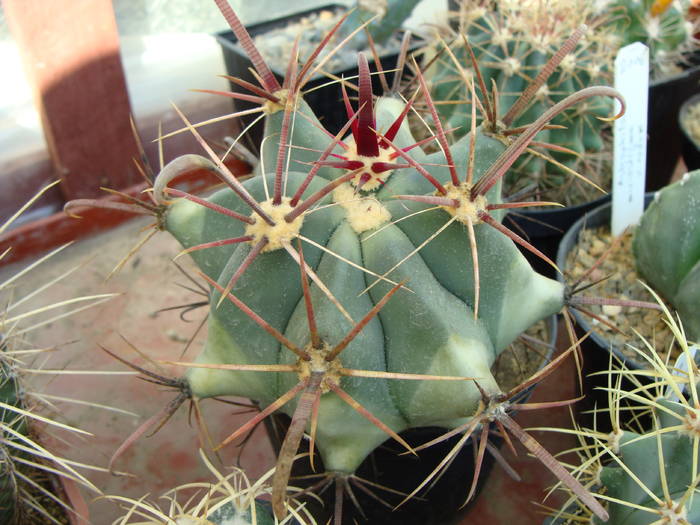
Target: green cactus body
666, 248
392, 14
230, 514
641, 457
428, 328
511, 42
661, 25
10, 422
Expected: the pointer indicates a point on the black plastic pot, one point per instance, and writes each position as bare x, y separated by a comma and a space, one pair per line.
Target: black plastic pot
596, 348
691, 150
326, 102
544, 229
664, 132
390, 467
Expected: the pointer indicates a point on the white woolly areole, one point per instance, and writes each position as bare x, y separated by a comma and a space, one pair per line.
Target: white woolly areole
363, 213
653, 27
542, 92
468, 209
691, 422
501, 37
673, 513
568, 64
281, 232
511, 66
270, 107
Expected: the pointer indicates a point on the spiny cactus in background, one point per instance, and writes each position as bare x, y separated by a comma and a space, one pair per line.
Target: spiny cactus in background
232, 500
29, 470
647, 468
510, 42
663, 25
387, 18
358, 284
666, 248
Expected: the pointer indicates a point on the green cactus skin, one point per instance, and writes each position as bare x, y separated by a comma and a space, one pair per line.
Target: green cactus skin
667, 33
640, 454
230, 515
430, 330
666, 248
9, 420
389, 22
511, 42
388, 236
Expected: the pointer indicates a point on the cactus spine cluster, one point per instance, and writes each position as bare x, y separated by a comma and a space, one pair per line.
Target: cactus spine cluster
666, 248
646, 468
232, 500
29, 471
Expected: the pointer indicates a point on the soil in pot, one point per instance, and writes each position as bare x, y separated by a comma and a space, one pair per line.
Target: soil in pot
613, 327
389, 467
618, 278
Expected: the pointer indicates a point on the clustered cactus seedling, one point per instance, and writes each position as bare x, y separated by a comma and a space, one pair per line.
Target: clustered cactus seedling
647, 468
358, 284
666, 248
663, 25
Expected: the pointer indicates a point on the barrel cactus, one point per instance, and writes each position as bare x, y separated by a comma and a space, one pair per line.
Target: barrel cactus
646, 469
358, 284
511, 41
666, 248
663, 25
29, 470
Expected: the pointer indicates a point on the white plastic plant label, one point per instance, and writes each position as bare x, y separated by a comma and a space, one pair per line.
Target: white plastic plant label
680, 369
630, 137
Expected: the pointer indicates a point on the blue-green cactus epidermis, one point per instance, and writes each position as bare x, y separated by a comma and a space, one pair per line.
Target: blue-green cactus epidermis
640, 455
429, 329
667, 248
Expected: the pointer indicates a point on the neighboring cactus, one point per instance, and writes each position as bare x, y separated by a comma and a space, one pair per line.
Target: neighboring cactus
666, 248
390, 16
26, 465
377, 218
511, 41
646, 475
662, 25
232, 500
